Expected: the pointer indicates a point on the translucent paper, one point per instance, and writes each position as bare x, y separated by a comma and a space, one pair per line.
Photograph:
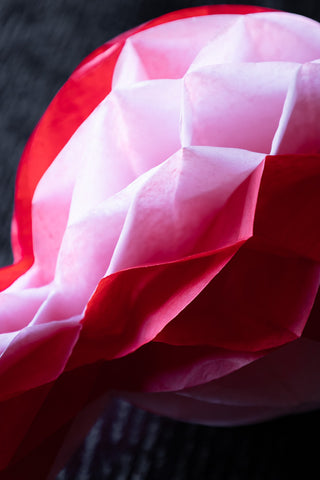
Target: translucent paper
166, 230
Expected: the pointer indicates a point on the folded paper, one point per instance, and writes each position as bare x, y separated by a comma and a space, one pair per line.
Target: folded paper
166, 232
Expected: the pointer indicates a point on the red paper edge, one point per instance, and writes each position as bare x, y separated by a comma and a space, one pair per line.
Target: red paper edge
46, 141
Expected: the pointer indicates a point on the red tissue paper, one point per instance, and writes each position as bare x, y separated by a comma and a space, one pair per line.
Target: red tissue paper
166, 235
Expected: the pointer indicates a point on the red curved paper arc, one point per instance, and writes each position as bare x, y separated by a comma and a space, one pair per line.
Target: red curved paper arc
84, 90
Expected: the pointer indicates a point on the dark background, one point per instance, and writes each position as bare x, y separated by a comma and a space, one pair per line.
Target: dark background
41, 42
